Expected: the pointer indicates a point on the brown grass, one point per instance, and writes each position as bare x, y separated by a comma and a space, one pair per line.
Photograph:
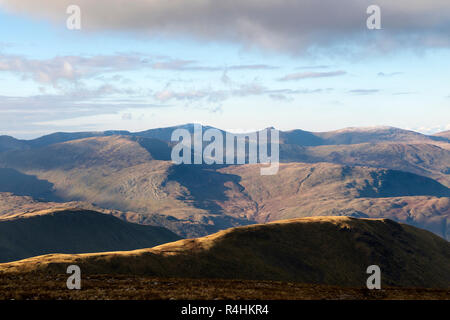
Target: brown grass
105, 287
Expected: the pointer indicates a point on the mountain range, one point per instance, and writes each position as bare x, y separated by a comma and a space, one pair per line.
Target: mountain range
379, 172
340, 201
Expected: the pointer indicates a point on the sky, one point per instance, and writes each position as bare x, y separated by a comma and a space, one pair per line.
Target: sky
236, 65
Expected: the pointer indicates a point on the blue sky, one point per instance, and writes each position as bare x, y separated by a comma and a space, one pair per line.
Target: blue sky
108, 76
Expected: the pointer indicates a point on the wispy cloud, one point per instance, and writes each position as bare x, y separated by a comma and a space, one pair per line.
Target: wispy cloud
79, 97
67, 68
243, 90
404, 93
192, 65
251, 67
311, 75
364, 91
31, 115
391, 74
74, 68
182, 65
313, 67
189, 95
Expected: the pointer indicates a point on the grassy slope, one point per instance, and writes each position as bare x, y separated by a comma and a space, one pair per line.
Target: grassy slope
325, 250
73, 231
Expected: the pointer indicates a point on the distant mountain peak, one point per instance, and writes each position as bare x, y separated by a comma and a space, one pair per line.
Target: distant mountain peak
369, 129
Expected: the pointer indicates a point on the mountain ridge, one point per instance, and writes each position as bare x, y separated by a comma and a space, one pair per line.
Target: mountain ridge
321, 250
333, 137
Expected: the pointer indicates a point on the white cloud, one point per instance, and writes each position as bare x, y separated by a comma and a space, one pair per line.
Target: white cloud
242, 90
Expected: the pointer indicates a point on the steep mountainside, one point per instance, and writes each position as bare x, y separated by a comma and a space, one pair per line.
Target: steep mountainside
424, 159
73, 231
323, 250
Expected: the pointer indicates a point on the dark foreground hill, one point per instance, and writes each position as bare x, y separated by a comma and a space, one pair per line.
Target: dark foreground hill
74, 231
320, 250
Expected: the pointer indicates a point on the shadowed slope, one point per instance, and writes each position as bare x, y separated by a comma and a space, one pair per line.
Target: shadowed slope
73, 231
9, 143
326, 250
25, 185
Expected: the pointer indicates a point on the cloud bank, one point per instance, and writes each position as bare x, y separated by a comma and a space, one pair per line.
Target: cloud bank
288, 25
